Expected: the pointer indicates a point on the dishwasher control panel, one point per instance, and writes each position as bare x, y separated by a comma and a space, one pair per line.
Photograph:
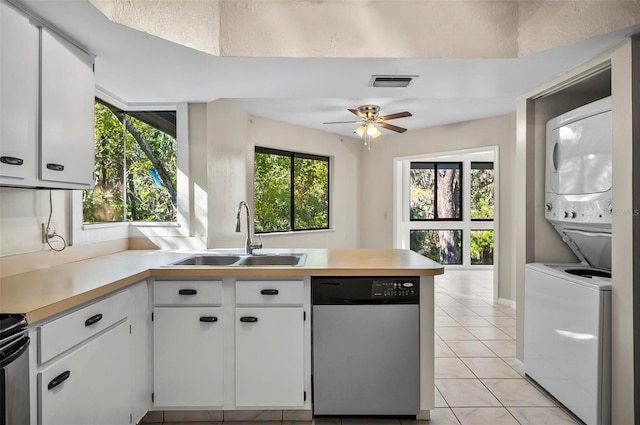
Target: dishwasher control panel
347, 290
393, 290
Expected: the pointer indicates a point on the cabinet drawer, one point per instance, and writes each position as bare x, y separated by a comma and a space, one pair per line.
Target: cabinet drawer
90, 385
269, 292
187, 293
61, 334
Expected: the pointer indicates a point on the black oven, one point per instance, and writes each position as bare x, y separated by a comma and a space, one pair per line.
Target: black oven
14, 370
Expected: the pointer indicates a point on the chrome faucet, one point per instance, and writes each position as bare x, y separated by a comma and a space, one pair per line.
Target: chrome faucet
249, 244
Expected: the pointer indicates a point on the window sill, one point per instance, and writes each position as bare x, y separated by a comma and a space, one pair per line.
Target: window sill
97, 226
297, 232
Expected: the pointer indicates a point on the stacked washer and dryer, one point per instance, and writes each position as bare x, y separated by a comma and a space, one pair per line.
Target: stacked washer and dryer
567, 318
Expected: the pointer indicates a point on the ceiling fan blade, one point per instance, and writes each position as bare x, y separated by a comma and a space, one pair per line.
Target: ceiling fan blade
391, 127
396, 115
341, 122
357, 112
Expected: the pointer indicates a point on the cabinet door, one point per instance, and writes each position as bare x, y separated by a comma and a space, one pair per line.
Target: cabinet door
18, 97
90, 386
269, 357
188, 356
66, 114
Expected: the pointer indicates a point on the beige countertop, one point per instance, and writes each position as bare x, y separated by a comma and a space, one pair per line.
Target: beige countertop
46, 292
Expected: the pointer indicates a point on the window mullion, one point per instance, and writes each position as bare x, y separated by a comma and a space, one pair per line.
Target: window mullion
292, 223
125, 171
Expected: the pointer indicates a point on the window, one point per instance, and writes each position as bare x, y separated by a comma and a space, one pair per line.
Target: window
135, 167
291, 191
436, 191
436, 221
481, 247
481, 191
442, 246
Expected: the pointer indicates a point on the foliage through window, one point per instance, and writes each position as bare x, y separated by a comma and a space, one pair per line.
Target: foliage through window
442, 246
436, 191
135, 167
481, 191
291, 191
481, 247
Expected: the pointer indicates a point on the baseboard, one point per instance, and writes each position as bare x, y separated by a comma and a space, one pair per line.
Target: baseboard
507, 302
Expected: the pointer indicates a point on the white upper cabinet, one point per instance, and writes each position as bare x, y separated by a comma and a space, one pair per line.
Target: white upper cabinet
66, 113
18, 98
46, 107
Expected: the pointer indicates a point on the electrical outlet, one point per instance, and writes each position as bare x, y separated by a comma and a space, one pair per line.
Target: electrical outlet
53, 229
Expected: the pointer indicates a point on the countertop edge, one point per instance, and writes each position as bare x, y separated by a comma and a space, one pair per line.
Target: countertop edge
155, 268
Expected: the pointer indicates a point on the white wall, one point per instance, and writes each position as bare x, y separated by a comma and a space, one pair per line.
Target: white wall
21, 213
376, 198
226, 165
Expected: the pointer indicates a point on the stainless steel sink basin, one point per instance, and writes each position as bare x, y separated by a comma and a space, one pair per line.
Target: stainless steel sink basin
241, 260
208, 260
273, 260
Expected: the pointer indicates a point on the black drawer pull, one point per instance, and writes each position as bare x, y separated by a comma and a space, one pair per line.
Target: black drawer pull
93, 320
208, 319
59, 380
187, 292
11, 160
269, 292
55, 167
248, 319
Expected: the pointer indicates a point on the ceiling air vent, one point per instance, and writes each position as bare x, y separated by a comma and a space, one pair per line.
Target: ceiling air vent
391, 80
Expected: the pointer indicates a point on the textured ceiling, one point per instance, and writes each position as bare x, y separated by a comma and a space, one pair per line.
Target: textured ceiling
139, 68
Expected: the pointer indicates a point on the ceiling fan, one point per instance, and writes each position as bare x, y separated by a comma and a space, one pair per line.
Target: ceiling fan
370, 121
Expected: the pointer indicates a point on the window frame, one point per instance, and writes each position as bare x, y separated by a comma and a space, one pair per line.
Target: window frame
82, 233
292, 157
483, 165
435, 188
402, 195
134, 113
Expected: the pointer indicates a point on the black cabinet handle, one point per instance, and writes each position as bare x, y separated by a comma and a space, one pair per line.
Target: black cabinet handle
55, 167
11, 160
248, 319
208, 319
59, 380
187, 292
93, 320
269, 292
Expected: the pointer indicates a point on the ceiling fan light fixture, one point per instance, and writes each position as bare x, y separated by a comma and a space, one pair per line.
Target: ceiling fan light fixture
373, 131
360, 130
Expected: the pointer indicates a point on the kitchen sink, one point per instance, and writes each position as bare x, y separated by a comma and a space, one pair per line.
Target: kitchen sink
241, 260
273, 260
208, 260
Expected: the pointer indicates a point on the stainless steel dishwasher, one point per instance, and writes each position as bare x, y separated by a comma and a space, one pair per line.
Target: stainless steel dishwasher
366, 346
14, 370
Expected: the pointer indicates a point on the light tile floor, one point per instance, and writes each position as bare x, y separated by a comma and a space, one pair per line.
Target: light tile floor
474, 350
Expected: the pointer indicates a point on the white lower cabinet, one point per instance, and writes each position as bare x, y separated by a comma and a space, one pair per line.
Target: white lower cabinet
90, 385
188, 356
269, 357
231, 344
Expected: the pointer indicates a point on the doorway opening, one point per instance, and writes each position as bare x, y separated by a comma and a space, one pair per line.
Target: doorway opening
446, 208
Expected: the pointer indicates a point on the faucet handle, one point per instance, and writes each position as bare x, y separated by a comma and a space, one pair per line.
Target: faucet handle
256, 245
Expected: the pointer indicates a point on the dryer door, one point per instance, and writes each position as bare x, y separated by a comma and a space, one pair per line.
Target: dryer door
579, 156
